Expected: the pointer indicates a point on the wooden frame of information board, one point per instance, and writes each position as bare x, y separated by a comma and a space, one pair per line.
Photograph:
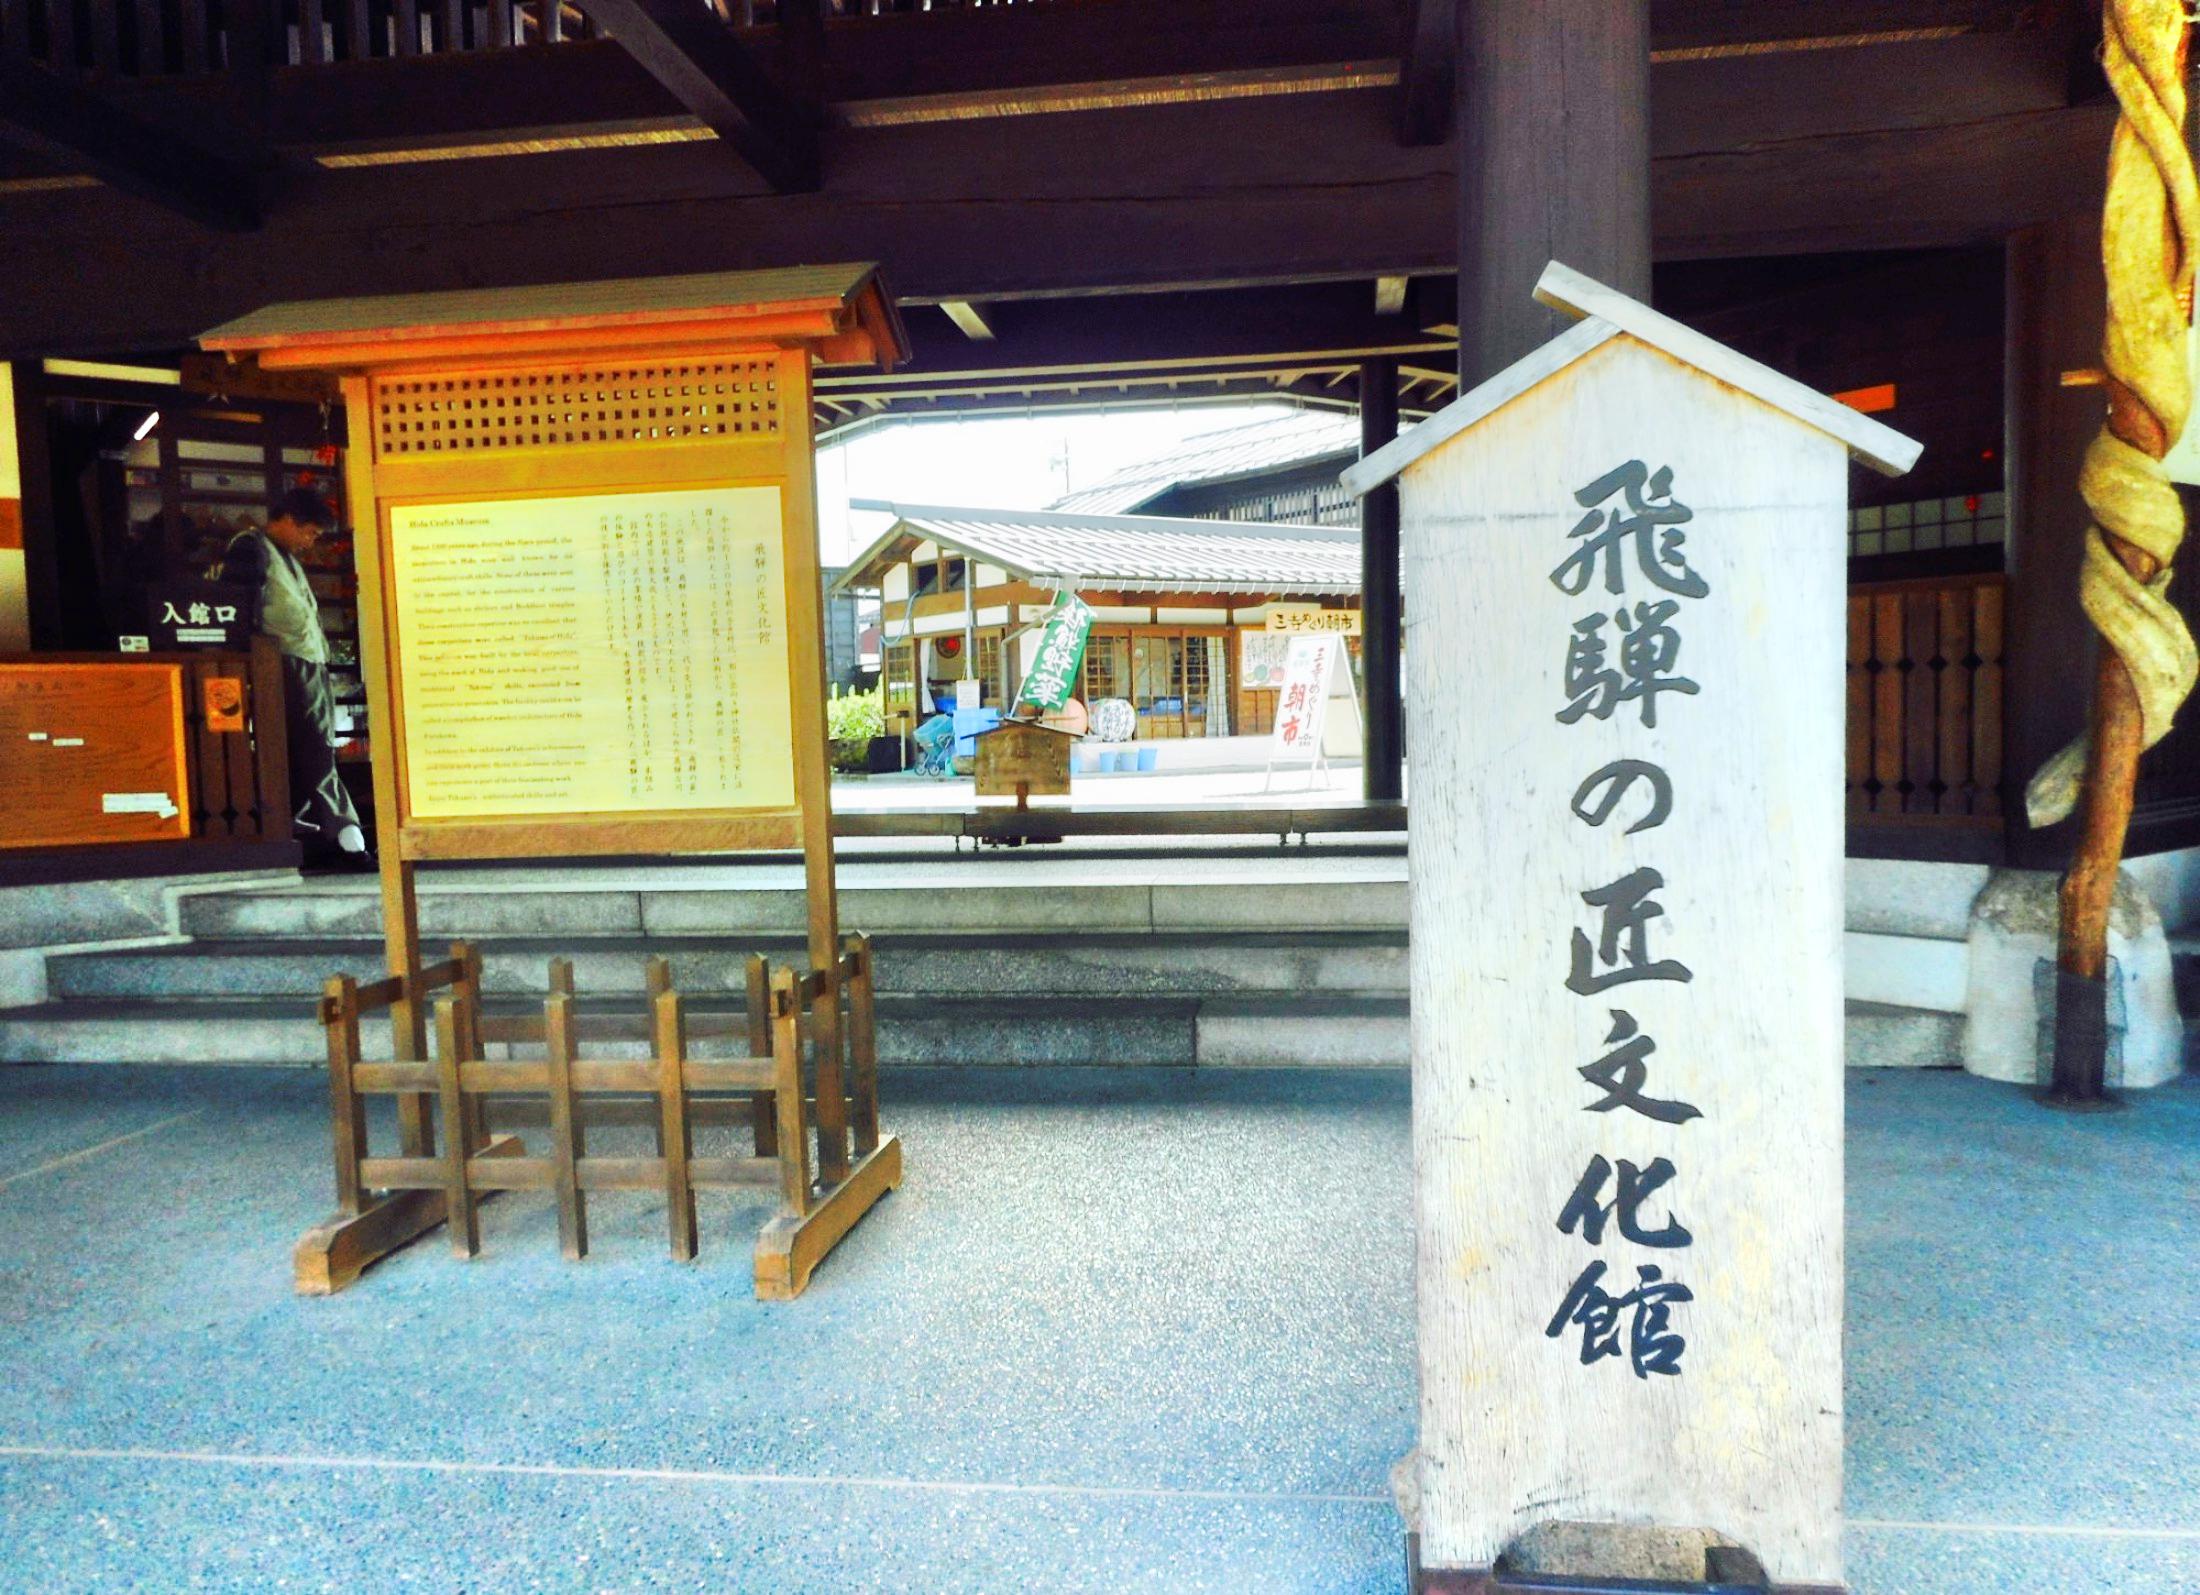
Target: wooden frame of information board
625, 396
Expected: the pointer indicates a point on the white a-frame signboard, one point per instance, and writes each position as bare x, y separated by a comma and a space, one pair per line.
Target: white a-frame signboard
1626, 561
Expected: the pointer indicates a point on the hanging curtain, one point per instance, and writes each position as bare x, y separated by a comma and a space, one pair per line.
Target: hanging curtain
1218, 687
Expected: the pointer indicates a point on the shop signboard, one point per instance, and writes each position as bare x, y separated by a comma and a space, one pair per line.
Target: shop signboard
1060, 654
1298, 620
1302, 703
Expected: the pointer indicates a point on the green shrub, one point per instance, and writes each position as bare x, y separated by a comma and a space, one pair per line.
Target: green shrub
852, 719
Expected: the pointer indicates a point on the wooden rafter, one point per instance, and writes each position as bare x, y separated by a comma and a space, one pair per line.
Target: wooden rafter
66, 123
969, 318
705, 66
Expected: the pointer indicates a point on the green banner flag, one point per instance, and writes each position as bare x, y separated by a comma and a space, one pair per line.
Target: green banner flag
1061, 651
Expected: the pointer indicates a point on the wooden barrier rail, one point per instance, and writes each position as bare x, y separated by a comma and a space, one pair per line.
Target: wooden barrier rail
775, 1096
1924, 699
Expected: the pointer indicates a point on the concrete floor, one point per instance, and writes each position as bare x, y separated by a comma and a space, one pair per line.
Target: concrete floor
1131, 1330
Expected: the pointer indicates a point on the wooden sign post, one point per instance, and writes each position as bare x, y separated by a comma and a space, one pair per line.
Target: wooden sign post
1626, 561
588, 590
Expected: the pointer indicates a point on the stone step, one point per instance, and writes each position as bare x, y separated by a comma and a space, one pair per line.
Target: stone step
961, 968
1155, 1030
571, 906
1166, 1029
1880, 1035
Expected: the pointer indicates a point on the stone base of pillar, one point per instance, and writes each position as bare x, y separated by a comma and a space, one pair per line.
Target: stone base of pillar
2013, 925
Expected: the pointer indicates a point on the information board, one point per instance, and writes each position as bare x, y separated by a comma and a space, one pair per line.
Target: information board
599, 654
91, 753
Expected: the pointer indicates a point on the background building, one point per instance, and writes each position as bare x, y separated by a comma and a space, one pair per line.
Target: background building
1180, 607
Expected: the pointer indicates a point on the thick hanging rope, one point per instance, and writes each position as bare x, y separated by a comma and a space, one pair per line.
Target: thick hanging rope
2150, 228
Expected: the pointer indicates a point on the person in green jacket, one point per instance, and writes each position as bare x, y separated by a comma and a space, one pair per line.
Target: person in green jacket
326, 822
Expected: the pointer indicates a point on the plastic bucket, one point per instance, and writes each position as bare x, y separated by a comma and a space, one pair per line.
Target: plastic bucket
1148, 758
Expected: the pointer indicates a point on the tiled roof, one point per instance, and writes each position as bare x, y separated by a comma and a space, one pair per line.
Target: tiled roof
1267, 445
1133, 553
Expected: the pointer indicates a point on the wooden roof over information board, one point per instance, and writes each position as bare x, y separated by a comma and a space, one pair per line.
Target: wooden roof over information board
841, 307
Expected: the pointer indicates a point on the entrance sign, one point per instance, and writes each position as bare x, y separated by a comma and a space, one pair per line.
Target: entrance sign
590, 624
619, 651
1626, 556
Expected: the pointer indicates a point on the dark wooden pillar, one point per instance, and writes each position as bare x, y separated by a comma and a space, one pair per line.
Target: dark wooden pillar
1384, 728
34, 455
2056, 303
1554, 160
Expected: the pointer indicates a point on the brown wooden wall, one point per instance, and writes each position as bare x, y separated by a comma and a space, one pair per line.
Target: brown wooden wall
1925, 700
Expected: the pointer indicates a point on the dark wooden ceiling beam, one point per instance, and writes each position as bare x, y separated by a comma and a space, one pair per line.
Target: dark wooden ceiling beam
1427, 71
1305, 188
702, 64
1155, 333
599, 88
67, 124
966, 50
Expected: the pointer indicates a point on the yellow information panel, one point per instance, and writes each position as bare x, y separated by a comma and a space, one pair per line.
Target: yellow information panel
616, 652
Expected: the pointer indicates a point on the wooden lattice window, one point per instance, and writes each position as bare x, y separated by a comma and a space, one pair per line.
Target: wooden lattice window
629, 404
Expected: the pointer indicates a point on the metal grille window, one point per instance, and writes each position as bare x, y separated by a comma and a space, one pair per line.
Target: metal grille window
1928, 525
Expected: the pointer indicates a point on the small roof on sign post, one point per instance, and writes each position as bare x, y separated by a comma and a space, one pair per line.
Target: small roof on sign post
841, 311
1607, 314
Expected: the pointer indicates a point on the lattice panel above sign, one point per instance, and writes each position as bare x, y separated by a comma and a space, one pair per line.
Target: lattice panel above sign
634, 404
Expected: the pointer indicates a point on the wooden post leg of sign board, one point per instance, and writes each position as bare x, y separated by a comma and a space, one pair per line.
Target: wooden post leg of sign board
400, 904
1626, 550
813, 773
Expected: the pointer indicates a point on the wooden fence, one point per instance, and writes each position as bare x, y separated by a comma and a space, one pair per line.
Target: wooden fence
1925, 699
769, 1090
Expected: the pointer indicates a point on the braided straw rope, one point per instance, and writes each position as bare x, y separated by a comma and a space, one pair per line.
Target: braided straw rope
2150, 228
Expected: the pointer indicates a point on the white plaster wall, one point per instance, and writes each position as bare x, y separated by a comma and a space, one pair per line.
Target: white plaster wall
1906, 971
11, 478
2171, 882
15, 602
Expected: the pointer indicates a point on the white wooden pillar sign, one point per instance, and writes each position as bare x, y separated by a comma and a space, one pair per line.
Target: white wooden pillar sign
1625, 559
